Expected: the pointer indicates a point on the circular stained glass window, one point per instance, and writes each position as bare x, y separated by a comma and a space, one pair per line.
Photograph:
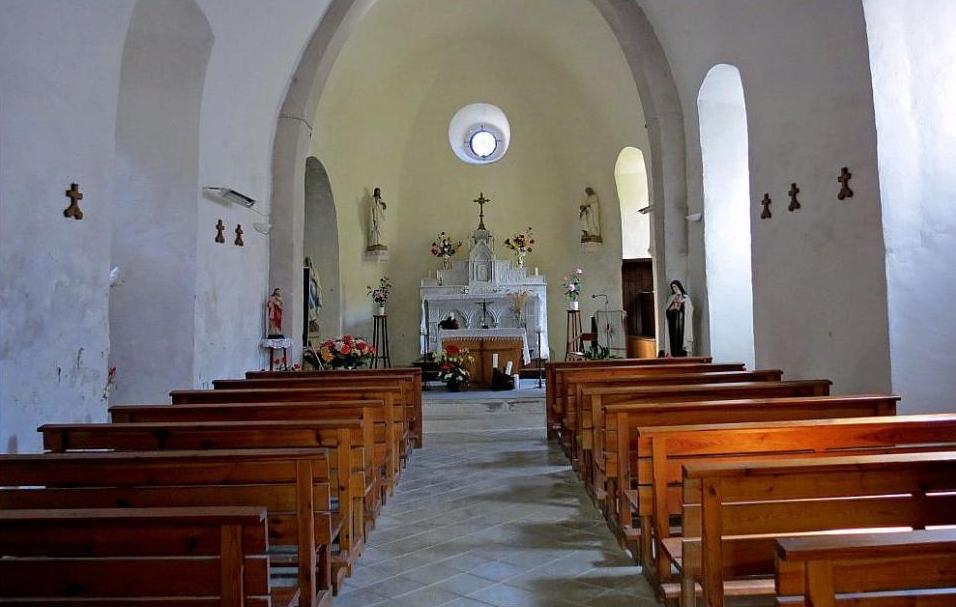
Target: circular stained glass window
483, 143
479, 133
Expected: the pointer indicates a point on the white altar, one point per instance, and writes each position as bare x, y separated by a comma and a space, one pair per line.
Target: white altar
489, 334
485, 292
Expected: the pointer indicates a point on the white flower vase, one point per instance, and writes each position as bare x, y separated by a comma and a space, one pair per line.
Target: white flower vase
574, 305
381, 310
521, 256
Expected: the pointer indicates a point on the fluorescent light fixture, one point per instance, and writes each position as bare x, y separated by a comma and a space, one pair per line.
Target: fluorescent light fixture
231, 195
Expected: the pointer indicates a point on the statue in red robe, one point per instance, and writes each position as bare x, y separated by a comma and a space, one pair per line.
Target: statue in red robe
274, 315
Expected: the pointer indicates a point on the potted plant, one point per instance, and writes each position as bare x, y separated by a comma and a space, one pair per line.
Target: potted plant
451, 367
345, 352
572, 287
521, 243
444, 247
380, 294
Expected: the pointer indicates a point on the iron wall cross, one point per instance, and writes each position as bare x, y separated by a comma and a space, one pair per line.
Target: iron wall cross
844, 179
75, 197
794, 203
766, 214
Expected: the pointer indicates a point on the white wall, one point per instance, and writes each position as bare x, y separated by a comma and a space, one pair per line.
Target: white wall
59, 79
819, 280
913, 51
383, 121
154, 211
726, 174
633, 194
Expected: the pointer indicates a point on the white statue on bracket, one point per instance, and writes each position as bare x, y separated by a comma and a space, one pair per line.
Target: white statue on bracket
589, 215
377, 249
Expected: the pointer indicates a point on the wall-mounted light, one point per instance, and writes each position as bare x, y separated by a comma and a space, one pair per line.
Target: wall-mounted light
646, 209
231, 195
695, 217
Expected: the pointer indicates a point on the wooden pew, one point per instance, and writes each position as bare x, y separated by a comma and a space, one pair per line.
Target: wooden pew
734, 512
371, 413
625, 455
566, 380
396, 426
575, 419
202, 557
292, 484
551, 384
410, 376
603, 418
662, 451
869, 570
343, 438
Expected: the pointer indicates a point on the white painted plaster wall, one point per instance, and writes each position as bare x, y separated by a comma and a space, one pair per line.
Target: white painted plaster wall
819, 281
913, 51
59, 78
383, 121
723, 140
154, 210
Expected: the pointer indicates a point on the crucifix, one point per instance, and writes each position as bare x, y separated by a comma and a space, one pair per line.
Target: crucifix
794, 203
766, 214
75, 197
482, 201
484, 312
220, 227
239, 234
844, 179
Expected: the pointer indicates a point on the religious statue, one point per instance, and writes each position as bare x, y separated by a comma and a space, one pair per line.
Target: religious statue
315, 296
590, 217
680, 321
376, 222
274, 315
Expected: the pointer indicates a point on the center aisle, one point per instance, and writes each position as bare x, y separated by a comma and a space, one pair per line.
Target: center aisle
491, 517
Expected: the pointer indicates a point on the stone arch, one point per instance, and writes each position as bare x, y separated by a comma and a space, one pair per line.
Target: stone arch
155, 183
722, 111
659, 97
321, 244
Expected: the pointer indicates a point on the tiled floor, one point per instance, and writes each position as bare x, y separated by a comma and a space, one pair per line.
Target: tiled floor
491, 517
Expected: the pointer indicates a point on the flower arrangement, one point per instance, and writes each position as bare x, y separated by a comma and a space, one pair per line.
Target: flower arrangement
345, 352
572, 284
380, 293
598, 352
451, 366
444, 246
522, 242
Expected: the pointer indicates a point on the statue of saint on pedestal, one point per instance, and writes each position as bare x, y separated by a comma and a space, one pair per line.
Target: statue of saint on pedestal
376, 223
274, 315
680, 321
590, 217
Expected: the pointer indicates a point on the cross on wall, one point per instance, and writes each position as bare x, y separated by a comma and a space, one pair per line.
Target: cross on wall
75, 197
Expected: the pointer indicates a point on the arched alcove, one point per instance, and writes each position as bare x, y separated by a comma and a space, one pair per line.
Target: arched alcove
726, 175
633, 193
155, 190
321, 244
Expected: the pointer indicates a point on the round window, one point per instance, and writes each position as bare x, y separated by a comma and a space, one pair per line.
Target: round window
483, 143
479, 133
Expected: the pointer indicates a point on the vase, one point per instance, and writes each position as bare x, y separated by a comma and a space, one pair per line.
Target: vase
574, 305
445, 262
521, 256
381, 310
